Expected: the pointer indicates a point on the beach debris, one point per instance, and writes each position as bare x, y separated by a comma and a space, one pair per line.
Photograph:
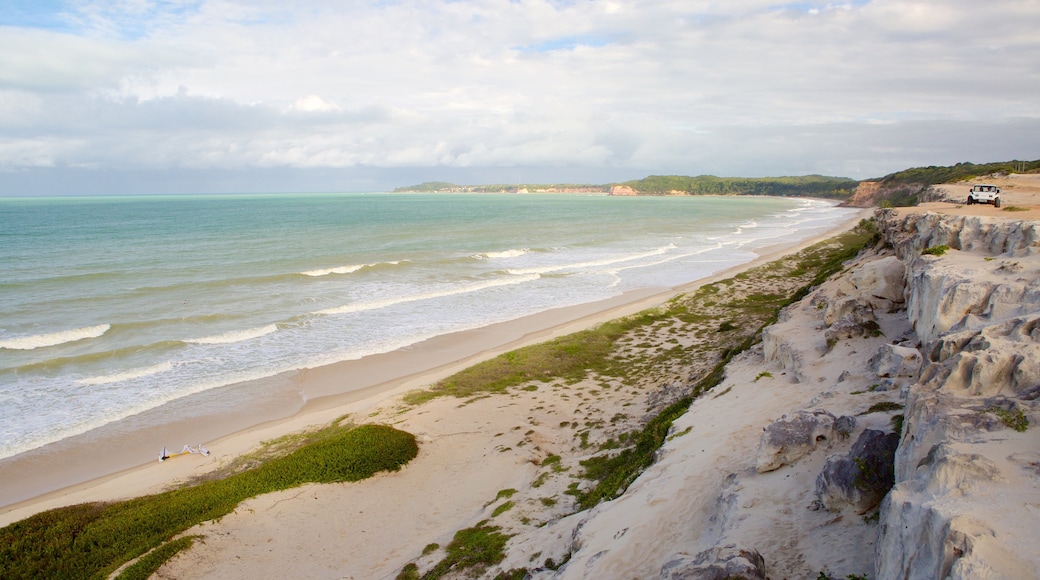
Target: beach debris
187, 450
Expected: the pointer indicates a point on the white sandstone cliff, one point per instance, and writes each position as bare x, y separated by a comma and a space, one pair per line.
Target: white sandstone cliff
779, 470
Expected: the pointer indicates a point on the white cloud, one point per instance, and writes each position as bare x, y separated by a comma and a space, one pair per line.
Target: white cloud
223, 84
314, 103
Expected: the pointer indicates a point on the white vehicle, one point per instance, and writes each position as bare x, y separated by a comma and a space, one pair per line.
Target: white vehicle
984, 193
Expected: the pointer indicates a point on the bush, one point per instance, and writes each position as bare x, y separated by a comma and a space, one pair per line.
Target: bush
936, 250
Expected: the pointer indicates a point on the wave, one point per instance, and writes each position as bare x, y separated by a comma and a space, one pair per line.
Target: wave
377, 304
346, 269
54, 338
127, 375
234, 335
336, 270
592, 263
52, 364
502, 254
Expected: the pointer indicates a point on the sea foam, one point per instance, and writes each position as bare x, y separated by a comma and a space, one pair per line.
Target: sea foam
127, 375
593, 263
235, 335
387, 302
502, 254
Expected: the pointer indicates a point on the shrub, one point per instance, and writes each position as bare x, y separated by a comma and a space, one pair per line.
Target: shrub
936, 250
1013, 418
882, 407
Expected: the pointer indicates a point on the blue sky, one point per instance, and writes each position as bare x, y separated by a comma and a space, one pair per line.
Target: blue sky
135, 96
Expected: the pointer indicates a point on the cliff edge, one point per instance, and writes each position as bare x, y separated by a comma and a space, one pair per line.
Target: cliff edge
883, 428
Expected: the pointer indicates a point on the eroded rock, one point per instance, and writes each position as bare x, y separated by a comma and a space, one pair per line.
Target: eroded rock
720, 563
789, 438
859, 480
894, 361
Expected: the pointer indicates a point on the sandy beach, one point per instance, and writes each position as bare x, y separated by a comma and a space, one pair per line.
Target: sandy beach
349, 388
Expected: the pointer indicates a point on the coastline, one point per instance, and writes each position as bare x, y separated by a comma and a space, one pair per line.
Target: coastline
92, 472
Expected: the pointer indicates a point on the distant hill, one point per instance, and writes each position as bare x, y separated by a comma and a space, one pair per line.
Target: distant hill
445, 187
806, 185
809, 185
932, 174
914, 185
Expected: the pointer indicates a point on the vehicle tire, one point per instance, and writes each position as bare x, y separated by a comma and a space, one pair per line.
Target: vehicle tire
970, 200
996, 202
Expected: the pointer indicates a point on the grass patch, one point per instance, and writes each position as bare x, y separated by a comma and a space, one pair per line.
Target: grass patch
93, 540
883, 407
503, 509
571, 358
897, 424
1014, 418
763, 375
1016, 208
935, 250
143, 568
471, 552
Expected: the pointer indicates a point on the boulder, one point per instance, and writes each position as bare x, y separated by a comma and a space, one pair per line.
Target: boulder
717, 563
896, 361
787, 439
880, 282
859, 480
858, 323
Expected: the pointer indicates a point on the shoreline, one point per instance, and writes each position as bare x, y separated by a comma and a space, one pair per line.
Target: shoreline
376, 378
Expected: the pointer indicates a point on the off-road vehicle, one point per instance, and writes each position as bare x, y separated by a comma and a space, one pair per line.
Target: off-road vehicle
984, 193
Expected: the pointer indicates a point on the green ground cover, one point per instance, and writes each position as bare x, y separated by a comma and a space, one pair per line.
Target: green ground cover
94, 540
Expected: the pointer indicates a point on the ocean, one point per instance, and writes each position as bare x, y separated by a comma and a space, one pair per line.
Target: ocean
114, 306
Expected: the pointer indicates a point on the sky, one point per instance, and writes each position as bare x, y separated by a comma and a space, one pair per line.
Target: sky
192, 96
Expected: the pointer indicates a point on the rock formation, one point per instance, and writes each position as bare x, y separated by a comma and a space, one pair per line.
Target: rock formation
895, 437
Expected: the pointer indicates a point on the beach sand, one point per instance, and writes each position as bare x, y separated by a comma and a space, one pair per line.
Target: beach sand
392, 515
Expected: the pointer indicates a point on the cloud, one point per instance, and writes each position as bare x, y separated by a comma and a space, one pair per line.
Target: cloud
681, 86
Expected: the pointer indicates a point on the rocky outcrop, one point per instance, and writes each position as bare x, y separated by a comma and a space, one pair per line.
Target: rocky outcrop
789, 438
894, 361
724, 563
859, 480
957, 509
622, 190
910, 234
925, 463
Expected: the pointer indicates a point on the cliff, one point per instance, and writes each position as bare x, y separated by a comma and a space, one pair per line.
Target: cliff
883, 428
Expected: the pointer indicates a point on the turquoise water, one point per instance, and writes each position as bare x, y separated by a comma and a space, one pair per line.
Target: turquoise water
115, 305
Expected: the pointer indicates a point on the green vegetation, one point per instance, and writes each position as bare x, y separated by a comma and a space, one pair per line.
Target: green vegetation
936, 250
472, 550
807, 185
1016, 208
143, 568
570, 358
93, 540
904, 188
503, 509
1013, 418
883, 407
897, 424
763, 375
932, 174
614, 472
446, 187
